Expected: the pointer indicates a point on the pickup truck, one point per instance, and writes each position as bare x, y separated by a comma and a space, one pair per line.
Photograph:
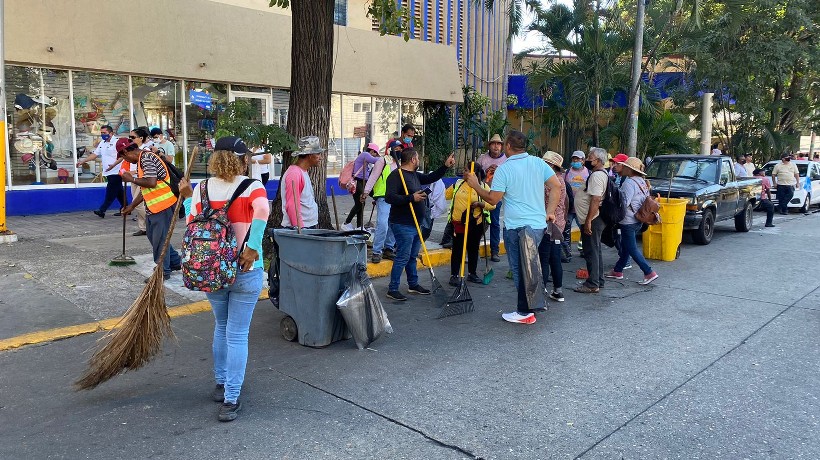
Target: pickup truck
714, 192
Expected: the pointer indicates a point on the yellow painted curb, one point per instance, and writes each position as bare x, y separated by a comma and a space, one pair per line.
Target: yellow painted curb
382, 269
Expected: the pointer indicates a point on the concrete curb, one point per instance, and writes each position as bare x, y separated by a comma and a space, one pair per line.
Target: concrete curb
437, 257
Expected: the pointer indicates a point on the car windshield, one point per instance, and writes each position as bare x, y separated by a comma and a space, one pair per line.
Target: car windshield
801, 168
691, 168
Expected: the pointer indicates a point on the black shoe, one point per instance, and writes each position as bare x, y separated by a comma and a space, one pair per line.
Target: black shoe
218, 394
228, 412
556, 295
99, 214
176, 268
117, 214
474, 279
140, 233
566, 260
495, 258
375, 258
388, 254
769, 225
396, 295
454, 280
447, 245
418, 290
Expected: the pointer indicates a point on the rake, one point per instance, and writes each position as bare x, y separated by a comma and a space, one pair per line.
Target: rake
435, 287
461, 301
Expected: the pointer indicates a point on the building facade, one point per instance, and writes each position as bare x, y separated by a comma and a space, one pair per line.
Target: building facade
175, 65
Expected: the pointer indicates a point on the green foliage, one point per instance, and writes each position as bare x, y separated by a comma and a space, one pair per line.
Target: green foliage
393, 18
438, 137
660, 132
238, 120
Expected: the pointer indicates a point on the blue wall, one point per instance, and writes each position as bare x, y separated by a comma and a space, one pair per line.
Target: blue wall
53, 201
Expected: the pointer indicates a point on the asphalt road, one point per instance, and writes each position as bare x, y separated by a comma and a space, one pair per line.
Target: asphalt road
717, 359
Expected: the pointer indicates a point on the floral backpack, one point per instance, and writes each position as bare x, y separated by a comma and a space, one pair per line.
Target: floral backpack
209, 247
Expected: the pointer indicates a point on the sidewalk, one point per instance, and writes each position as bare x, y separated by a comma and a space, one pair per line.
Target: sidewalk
57, 274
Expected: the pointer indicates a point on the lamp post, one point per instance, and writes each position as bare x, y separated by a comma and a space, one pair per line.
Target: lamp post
634, 94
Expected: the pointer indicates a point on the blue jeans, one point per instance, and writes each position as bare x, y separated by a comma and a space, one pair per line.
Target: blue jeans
407, 252
512, 244
233, 310
629, 247
384, 236
157, 226
495, 228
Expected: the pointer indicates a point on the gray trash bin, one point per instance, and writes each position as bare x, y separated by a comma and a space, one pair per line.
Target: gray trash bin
314, 267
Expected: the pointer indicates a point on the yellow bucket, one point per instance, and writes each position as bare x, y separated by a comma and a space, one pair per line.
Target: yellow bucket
660, 242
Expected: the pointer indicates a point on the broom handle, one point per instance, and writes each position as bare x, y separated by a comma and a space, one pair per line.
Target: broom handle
467, 224
415, 221
124, 218
176, 209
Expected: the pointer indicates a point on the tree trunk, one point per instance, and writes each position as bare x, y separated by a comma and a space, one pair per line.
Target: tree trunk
311, 82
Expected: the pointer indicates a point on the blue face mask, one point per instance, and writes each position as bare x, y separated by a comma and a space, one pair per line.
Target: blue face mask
408, 140
577, 164
105, 137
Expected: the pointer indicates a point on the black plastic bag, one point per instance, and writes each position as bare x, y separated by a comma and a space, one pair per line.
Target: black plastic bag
362, 309
530, 265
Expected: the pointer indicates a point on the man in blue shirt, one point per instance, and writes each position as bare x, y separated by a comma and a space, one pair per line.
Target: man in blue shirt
520, 183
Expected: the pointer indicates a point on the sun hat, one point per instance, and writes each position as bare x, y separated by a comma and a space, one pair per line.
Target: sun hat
553, 158
579, 154
24, 145
635, 164
232, 144
374, 147
620, 158
495, 138
309, 145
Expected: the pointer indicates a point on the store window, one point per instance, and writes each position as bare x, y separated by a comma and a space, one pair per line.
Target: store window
357, 125
385, 120
99, 99
40, 138
157, 104
203, 104
335, 147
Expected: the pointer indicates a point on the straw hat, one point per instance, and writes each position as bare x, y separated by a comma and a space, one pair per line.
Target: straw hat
495, 138
634, 164
24, 145
553, 158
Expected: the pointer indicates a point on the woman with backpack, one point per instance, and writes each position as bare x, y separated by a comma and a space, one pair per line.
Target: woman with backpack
233, 305
634, 190
464, 199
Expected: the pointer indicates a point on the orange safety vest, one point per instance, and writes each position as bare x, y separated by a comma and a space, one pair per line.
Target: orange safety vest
159, 198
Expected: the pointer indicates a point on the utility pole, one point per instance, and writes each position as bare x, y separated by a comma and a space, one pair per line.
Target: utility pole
634, 98
706, 125
6, 235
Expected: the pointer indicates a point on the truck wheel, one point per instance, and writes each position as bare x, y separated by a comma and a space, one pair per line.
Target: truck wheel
703, 234
288, 328
806, 204
743, 221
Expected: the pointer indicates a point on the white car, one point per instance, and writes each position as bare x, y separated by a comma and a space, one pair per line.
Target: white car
802, 198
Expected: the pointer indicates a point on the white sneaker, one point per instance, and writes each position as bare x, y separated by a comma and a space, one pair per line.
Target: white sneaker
516, 317
627, 266
347, 227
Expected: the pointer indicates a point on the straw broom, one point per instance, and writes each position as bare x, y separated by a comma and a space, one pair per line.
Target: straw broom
137, 338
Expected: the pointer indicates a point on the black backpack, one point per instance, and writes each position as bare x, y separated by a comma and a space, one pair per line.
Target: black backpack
174, 175
611, 210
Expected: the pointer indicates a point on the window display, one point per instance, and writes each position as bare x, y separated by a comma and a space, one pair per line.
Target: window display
40, 139
203, 104
158, 104
99, 99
